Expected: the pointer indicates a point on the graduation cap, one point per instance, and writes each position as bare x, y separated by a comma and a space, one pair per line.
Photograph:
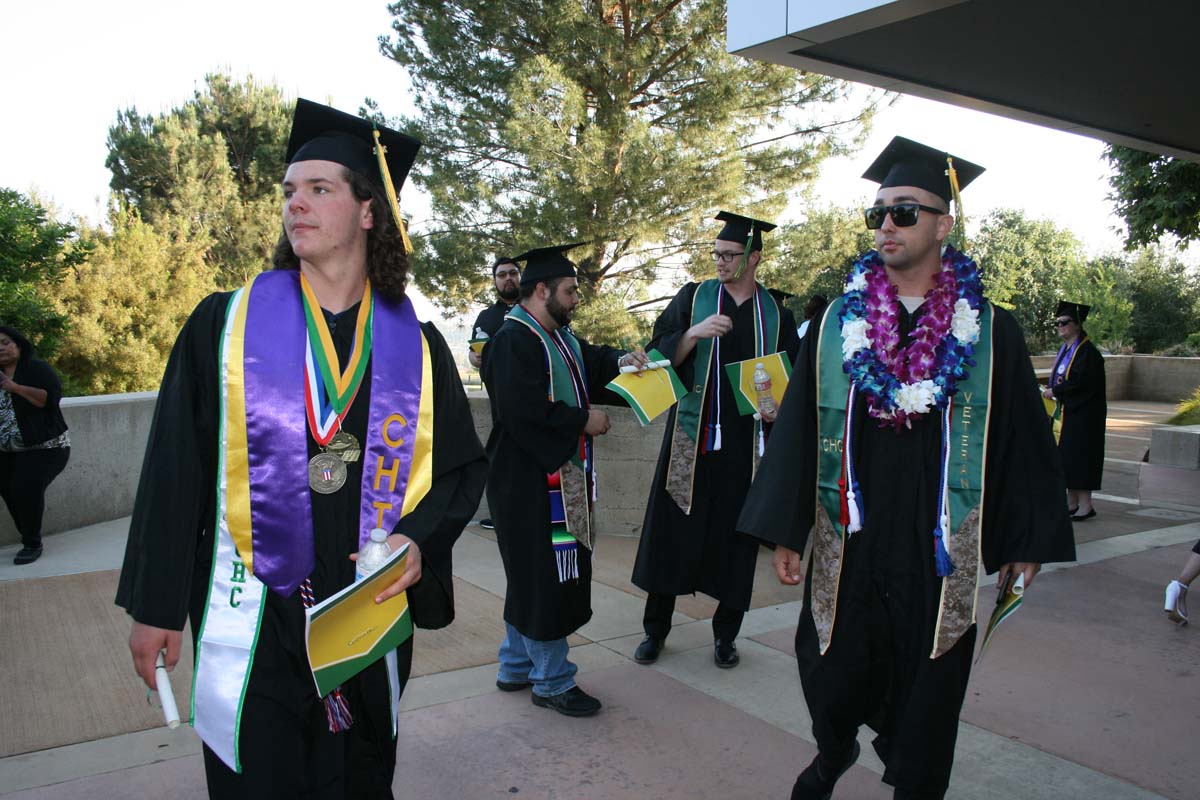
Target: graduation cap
907, 163
739, 229
321, 133
546, 263
1076, 311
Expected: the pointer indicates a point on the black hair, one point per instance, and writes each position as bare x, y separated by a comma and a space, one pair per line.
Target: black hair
527, 289
23, 344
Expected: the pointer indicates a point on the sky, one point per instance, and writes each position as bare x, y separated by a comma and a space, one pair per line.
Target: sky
69, 66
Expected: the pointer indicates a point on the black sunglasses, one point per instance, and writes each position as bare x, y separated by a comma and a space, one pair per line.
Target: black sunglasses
904, 215
1062, 323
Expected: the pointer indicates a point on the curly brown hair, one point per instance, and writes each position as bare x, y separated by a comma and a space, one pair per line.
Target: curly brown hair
387, 263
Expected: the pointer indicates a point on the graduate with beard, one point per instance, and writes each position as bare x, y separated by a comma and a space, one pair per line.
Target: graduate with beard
911, 444
506, 277
710, 451
543, 383
295, 415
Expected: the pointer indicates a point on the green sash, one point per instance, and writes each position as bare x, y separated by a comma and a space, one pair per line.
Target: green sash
575, 478
689, 414
967, 456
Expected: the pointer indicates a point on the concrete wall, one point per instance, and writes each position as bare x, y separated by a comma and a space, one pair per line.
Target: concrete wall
1140, 377
108, 439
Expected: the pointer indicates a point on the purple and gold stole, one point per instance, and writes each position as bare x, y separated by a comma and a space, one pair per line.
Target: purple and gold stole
264, 527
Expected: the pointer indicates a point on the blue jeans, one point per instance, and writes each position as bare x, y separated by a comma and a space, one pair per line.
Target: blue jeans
544, 664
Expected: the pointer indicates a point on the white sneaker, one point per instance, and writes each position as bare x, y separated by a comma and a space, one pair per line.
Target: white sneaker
1176, 602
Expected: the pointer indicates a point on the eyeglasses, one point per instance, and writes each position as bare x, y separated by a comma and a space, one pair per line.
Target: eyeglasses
904, 215
1062, 323
724, 258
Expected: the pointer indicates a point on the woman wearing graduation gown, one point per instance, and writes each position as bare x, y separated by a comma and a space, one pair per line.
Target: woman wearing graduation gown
1078, 389
283, 740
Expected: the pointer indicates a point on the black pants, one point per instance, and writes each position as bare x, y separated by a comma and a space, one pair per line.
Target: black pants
286, 749
657, 619
24, 476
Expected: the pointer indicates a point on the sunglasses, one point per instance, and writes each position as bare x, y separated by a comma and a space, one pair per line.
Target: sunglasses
904, 215
1062, 323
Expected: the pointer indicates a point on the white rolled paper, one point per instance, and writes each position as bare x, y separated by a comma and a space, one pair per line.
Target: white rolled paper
663, 364
163, 681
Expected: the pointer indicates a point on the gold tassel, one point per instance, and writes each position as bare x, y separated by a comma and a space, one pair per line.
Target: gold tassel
745, 256
960, 220
380, 150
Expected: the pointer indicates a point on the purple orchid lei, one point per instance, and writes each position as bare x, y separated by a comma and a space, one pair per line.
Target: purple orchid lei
905, 383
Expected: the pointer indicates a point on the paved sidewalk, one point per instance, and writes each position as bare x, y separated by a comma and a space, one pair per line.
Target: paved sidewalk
1088, 692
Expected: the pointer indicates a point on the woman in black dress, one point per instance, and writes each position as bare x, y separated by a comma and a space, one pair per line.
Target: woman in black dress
1077, 386
34, 445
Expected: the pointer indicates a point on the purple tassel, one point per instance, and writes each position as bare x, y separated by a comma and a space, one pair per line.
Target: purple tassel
944, 565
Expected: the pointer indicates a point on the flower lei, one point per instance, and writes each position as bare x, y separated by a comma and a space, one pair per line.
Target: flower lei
903, 383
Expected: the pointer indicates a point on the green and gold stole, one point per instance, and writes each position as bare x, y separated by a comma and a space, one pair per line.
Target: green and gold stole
960, 501
572, 488
698, 415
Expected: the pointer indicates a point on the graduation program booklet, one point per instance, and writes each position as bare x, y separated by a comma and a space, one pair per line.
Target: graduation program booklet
349, 631
741, 375
649, 392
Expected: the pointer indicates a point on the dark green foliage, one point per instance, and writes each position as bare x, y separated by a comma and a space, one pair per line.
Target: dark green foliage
35, 254
622, 124
213, 165
1155, 195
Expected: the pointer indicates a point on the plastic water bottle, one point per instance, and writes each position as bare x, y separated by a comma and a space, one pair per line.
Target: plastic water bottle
372, 555
762, 390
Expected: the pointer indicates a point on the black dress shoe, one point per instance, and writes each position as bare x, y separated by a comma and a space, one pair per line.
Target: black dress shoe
574, 702
647, 652
28, 555
515, 686
725, 654
487, 524
1081, 517
817, 780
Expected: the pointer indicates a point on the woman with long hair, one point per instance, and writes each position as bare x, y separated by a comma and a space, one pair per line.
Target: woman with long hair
34, 444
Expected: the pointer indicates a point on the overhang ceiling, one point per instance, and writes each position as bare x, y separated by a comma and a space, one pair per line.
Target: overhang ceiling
1123, 72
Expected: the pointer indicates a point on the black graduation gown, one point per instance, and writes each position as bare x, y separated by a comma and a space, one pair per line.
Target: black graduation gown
531, 438
877, 668
702, 552
1085, 409
168, 557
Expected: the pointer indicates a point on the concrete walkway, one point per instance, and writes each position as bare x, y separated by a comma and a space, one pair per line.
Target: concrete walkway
1088, 692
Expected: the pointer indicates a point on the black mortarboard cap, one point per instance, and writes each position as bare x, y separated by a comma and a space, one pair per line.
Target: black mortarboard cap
738, 229
502, 260
1076, 311
321, 133
907, 163
546, 263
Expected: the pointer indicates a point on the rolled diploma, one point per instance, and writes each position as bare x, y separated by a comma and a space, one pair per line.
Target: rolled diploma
652, 365
163, 681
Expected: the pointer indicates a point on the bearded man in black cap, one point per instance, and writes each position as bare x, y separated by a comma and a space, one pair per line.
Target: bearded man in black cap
506, 277
543, 383
710, 450
911, 444
296, 415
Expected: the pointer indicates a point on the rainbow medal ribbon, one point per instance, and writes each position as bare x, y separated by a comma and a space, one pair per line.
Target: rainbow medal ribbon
329, 392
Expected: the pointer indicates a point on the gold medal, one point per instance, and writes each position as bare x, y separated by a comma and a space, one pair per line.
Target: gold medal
326, 473
344, 446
